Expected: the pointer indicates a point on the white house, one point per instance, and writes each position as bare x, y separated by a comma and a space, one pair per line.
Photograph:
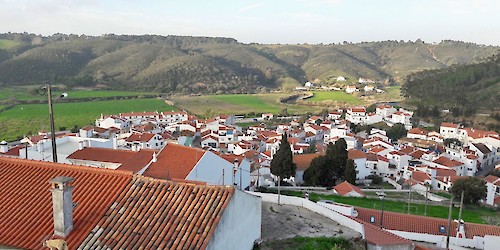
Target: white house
449, 130
121, 123
356, 115
144, 141
492, 190
359, 158
351, 89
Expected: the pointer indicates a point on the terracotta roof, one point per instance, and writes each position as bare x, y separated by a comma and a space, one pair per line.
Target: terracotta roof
26, 207
417, 131
303, 161
476, 133
174, 161
417, 154
420, 176
445, 172
449, 125
144, 137
380, 237
492, 179
355, 154
423, 224
14, 151
447, 162
158, 214
137, 161
358, 109
371, 157
346, 187
102, 155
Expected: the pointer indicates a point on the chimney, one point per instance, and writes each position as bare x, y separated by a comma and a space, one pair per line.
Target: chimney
155, 159
62, 204
4, 147
115, 142
80, 145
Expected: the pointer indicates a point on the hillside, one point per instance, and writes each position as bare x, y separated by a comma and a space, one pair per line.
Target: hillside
178, 64
463, 89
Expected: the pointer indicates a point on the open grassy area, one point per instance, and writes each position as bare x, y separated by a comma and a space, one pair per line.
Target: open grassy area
23, 119
335, 96
7, 44
238, 104
470, 213
25, 93
308, 243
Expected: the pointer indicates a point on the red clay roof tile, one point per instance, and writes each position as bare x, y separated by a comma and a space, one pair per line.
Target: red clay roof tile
174, 161
26, 209
158, 214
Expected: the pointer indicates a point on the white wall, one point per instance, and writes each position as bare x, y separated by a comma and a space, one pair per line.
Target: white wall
491, 242
209, 170
240, 224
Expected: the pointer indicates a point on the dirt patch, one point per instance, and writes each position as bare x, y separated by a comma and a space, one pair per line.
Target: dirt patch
285, 221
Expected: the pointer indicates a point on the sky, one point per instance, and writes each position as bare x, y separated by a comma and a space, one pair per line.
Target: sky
259, 21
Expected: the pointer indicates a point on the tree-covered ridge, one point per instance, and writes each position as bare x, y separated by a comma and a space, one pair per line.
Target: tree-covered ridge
463, 88
212, 64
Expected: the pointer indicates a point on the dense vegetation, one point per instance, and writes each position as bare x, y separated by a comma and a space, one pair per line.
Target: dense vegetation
463, 89
214, 65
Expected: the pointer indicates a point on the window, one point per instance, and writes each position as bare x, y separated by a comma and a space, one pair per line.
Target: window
372, 219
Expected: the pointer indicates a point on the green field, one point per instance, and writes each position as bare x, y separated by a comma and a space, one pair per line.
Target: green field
334, 96
29, 118
239, 104
26, 94
7, 44
470, 213
309, 243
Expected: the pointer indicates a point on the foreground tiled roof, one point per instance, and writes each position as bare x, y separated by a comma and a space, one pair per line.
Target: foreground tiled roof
26, 203
158, 214
174, 161
423, 224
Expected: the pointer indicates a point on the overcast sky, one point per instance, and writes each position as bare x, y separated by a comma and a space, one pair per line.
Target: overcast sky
271, 21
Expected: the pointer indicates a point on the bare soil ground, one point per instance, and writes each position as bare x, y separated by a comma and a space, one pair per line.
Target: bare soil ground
284, 221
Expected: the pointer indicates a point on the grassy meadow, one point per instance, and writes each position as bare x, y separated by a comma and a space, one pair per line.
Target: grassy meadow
27, 93
29, 118
334, 96
239, 104
470, 213
7, 44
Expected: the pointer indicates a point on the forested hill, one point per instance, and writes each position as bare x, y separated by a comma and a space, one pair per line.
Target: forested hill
463, 89
209, 65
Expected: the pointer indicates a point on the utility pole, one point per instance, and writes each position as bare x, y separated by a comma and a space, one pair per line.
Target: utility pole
409, 199
222, 177
279, 180
52, 127
461, 205
449, 223
426, 199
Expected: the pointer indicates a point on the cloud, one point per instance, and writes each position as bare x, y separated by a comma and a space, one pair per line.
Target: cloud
250, 7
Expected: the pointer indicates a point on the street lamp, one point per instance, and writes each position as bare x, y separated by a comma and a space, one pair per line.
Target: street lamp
381, 195
51, 118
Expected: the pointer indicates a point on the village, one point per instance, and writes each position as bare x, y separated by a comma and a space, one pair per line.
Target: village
222, 167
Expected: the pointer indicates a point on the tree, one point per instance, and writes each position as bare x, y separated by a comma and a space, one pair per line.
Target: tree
311, 149
282, 163
350, 172
326, 170
397, 131
317, 173
474, 189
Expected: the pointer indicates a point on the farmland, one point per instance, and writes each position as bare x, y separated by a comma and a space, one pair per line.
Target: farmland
29, 93
239, 104
29, 118
7, 44
334, 96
